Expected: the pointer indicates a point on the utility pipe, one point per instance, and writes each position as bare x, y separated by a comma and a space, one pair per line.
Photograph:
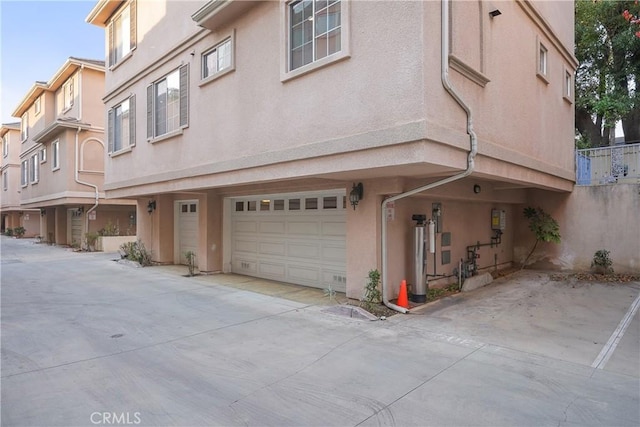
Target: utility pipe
444, 24
77, 177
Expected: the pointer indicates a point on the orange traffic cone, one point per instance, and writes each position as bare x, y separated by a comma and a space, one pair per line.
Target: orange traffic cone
403, 301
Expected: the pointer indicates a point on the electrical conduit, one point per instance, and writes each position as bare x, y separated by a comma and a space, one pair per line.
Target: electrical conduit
470, 157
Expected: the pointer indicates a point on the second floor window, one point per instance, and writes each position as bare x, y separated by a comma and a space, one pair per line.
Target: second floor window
37, 105
122, 34
122, 125
55, 154
5, 180
34, 169
217, 59
168, 103
5, 145
315, 28
43, 154
68, 94
24, 172
24, 127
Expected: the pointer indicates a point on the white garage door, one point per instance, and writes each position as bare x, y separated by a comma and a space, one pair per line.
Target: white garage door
187, 229
293, 238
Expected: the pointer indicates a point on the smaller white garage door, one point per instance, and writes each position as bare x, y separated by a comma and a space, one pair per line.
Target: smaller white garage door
187, 223
297, 239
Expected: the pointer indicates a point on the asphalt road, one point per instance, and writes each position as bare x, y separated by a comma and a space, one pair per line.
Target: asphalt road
88, 341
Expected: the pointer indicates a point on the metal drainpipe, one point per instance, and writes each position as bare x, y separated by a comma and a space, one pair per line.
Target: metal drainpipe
470, 158
77, 177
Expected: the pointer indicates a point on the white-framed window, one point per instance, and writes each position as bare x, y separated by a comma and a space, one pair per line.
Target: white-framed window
24, 173
42, 154
5, 180
37, 105
34, 169
168, 103
122, 33
542, 58
217, 59
568, 86
67, 94
24, 127
55, 154
315, 31
122, 132
5, 145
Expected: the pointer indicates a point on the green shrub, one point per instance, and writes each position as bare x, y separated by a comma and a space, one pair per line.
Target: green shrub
544, 227
8, 232
602, 262
19, 231
109, 230
92, 238
372, 294
191, 262
136, 251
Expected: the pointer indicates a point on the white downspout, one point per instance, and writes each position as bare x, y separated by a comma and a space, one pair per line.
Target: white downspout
470, 158
77, 177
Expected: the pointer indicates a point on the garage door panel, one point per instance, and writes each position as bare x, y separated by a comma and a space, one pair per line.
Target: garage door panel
277, 227
334, 252
245, 226
272, 248
334, 228
306, 228
337, 280
250, 246
272, 269
303, 250
245, 266
304, 274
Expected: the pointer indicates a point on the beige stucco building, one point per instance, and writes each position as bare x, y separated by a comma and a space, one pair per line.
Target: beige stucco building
60, 170
242, 129
13, 215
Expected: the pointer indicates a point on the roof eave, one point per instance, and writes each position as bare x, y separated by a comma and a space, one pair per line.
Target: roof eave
102, 11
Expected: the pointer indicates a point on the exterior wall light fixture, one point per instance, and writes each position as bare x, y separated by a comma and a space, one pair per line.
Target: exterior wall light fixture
477, 189
356, 194
494, 12
151, 206
43, 211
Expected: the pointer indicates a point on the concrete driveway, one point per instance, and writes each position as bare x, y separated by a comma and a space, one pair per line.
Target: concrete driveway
88, 341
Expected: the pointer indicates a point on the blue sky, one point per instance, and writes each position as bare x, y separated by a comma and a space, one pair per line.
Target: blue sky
36, 38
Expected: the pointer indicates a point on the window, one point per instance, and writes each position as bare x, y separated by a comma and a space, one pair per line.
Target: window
67, 94
5, 180
55, 153
265, 205
34, 169
24, 127
315, 31
5, 145
543, 61
122, 130
568, 86
37, 105
122, 34
311, 203
168, 103
43, 154
217, 59
24, 172
294, 204
239, 206
251, 206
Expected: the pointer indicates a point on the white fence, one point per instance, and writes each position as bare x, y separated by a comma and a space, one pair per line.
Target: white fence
608, 165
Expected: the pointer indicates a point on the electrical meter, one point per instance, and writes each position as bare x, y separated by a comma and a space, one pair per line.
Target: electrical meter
498, 219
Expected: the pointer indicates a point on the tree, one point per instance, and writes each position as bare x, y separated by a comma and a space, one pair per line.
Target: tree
545, 228
608, 51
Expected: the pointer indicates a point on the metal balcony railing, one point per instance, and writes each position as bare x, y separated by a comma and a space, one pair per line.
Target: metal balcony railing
608, 165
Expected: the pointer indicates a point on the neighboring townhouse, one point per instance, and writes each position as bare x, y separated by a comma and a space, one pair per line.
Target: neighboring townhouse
13, 215
295, 140
62, 153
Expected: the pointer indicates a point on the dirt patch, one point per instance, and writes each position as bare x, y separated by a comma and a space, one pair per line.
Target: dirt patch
596, 277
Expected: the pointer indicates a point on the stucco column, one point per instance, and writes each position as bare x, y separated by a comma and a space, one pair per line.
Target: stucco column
363, 233
210, 227
163, 229
60, 226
